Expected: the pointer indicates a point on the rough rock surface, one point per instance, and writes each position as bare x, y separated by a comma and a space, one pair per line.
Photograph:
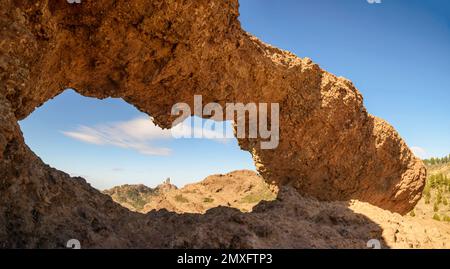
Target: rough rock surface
394, 230
154, 54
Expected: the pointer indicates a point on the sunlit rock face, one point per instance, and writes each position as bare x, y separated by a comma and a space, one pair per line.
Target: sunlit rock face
154, 54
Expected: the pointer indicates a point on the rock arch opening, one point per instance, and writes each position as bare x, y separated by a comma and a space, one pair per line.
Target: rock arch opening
122, 153
153, 54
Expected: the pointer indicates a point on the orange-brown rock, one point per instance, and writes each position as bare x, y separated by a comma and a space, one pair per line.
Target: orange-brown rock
242, 189
154, 54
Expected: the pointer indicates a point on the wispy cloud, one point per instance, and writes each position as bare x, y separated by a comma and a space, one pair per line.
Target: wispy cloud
117, 169
137, 134
419, 152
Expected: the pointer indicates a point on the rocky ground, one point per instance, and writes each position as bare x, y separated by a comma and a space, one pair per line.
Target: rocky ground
345, 222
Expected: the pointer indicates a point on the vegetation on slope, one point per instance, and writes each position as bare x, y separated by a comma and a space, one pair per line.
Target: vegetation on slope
435, 202
239, 189
437, 161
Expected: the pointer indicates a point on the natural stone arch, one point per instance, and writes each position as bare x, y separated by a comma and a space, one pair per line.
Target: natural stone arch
154, 54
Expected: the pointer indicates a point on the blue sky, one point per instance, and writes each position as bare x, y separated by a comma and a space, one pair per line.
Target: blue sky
110, 143
397, 53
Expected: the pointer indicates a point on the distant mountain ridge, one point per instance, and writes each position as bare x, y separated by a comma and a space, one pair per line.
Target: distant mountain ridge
244, 189
241, 189
294, 213
135, 197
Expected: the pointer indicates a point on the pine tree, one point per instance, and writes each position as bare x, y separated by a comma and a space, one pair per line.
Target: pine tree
436, 207
439, 197
432, 181
426, 190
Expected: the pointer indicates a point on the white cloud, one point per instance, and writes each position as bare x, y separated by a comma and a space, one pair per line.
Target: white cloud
86, 137
136, 134
419, 152
117, 169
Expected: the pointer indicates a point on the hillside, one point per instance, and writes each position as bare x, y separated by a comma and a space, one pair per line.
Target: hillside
245, 189
239, 189
135, 197
435, 202
427, 226
347, 223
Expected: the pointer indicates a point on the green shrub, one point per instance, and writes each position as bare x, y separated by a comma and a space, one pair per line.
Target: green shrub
446, 218
180, 198
256, 197
436, 207
412, 213
208, 200
432, 182
426, 190
436, 217
439, 197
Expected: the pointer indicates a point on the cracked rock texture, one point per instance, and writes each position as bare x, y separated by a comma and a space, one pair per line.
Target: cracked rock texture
154, 54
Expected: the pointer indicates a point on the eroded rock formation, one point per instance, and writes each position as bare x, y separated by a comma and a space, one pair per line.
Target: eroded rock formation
154, 54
